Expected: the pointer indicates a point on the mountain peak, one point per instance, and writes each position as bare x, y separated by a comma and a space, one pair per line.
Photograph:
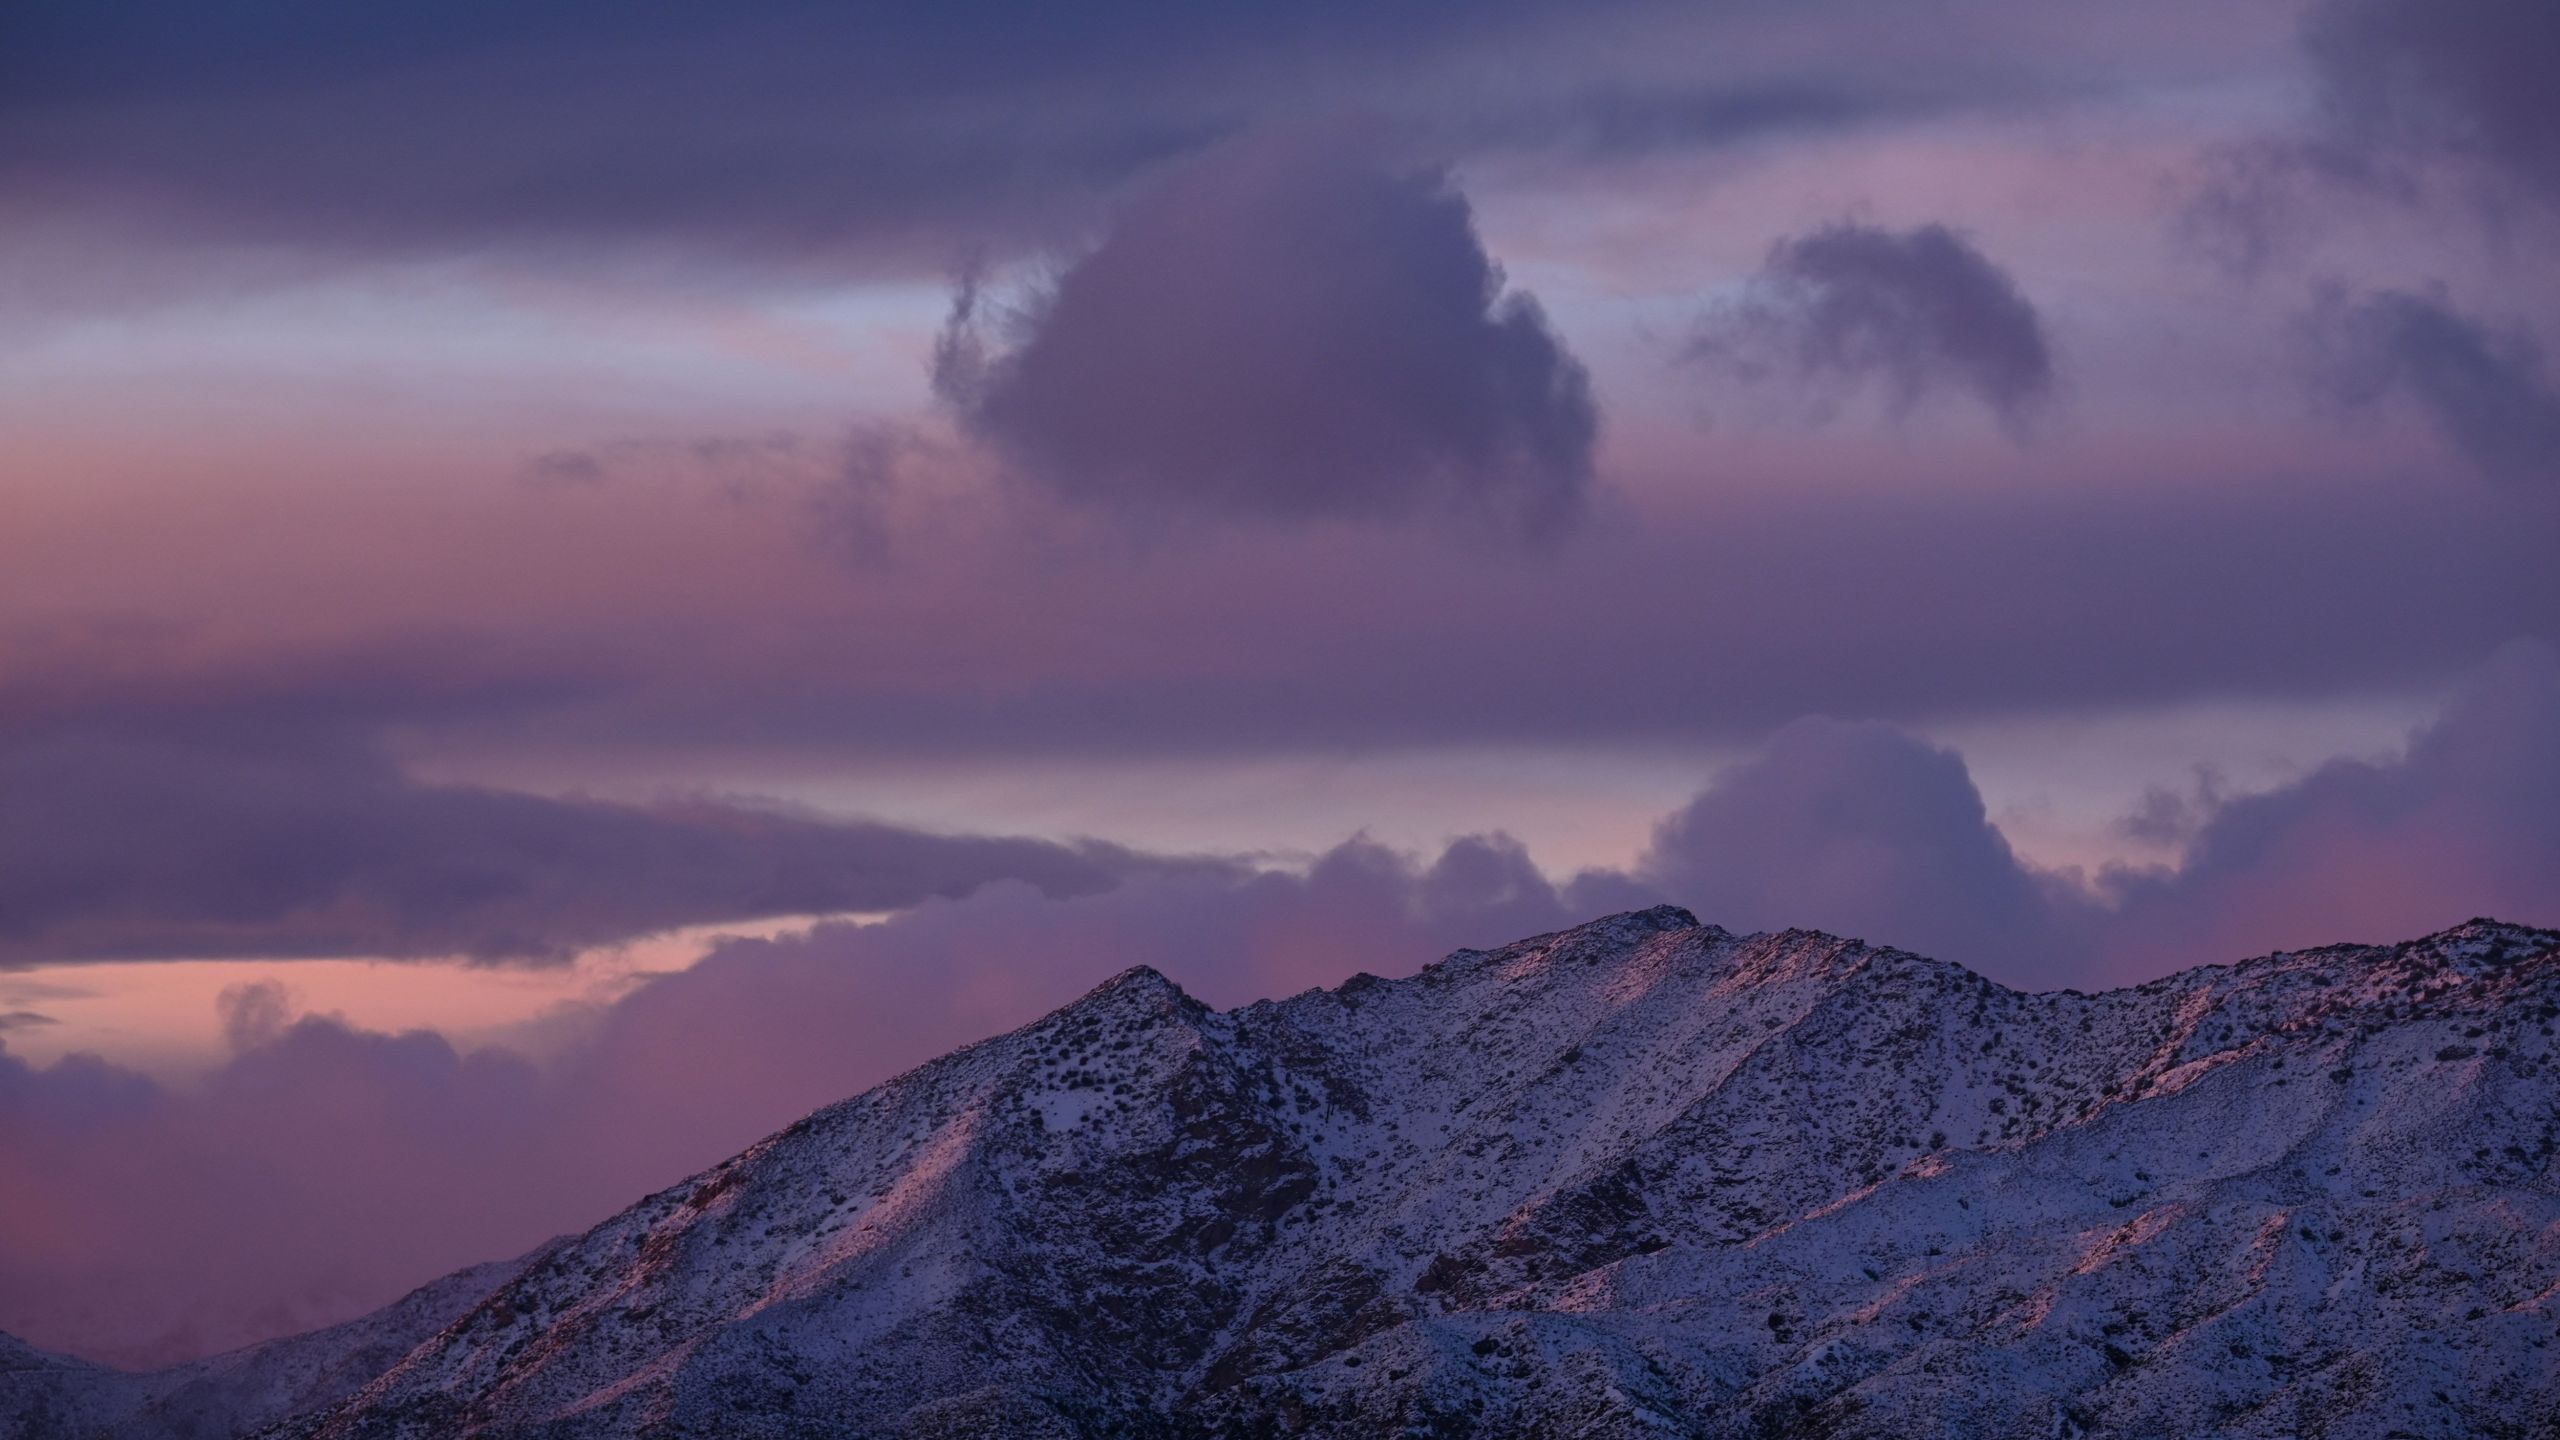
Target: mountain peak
1140, 989
1652, 920
2482, 931
1144, 981
1663, 917
1608, 936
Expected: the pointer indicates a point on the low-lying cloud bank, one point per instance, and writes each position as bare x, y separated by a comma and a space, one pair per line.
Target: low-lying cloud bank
170, 840
323, 1168
1868, 830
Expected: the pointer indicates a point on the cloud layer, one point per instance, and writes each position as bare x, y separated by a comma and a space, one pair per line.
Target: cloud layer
1291, 328
325, 1168
867, 136
125, 844
196, 797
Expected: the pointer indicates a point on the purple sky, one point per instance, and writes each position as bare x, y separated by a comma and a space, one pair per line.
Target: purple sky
498, 496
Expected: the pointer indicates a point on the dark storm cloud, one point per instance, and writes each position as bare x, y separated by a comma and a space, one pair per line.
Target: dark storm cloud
2483, 385
1292, 328
2467, 77
785, 129
117, 842
1917, 311
2418, 102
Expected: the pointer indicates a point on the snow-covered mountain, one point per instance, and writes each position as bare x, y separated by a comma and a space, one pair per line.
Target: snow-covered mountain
1640, 1178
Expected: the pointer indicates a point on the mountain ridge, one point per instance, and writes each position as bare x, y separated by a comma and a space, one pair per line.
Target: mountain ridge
1641, 1176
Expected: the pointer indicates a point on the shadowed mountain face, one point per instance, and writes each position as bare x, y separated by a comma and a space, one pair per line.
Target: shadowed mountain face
1639, 1178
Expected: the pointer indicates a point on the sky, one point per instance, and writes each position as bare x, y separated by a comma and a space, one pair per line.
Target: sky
579, 579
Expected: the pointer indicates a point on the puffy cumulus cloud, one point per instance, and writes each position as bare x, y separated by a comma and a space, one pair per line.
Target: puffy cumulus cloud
324, 1168
1917, 311
2465, 822
1864, 829
2481, 384
170, 840
1290, 327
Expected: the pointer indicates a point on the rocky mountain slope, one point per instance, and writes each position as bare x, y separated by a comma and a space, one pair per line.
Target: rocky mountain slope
1640, 1178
